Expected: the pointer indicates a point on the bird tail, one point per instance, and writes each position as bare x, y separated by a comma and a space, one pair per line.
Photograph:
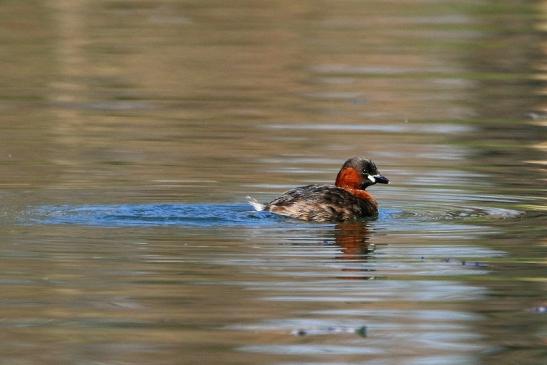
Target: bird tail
255, 204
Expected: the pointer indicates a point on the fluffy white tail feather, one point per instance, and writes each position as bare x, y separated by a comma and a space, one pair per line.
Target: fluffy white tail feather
258, 206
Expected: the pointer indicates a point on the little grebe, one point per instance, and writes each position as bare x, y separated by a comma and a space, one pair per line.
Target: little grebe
346, 200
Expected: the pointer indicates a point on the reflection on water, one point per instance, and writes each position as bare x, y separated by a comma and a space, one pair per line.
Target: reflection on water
132, 133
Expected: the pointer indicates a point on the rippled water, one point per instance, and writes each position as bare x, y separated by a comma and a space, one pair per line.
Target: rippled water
133, 132
219, 215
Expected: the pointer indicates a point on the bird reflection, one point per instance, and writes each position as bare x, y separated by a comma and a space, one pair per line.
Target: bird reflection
353, 239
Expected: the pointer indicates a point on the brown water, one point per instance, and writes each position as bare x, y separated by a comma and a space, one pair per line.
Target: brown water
132, 132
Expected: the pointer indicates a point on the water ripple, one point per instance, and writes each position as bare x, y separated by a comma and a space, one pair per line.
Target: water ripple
437, 128
120, 215
222, 215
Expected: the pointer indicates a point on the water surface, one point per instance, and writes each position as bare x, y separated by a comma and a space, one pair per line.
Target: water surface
132, 133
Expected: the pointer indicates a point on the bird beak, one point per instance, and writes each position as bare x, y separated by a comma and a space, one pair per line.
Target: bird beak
379, 179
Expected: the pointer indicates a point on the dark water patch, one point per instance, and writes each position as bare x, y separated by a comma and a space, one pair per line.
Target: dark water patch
361, 331
106, 105
306, 327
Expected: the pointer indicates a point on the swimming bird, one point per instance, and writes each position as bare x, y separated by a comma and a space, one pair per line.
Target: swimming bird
343, 201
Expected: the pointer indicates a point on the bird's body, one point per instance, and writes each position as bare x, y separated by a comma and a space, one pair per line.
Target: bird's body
322, 203
346, 200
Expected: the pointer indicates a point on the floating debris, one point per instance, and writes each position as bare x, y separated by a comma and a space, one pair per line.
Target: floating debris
465, 263
361, 331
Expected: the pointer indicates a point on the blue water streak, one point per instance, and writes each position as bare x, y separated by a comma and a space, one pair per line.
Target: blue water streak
232, 215
131, 215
